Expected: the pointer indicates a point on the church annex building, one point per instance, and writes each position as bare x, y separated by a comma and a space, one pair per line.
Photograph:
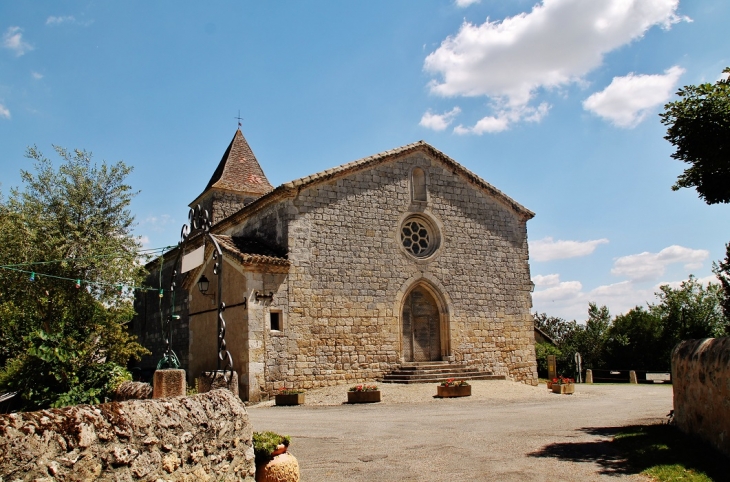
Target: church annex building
344, 275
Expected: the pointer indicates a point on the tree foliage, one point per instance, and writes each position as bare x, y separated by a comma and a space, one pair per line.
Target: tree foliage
699, 128
64, 344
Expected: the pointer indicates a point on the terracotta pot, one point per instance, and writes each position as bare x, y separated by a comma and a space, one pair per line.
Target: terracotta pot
295, 399
565, 389
282, 468
449, 392
280, 449
363, 397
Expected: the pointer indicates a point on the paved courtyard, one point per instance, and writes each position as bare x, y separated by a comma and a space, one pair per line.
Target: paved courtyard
504, 432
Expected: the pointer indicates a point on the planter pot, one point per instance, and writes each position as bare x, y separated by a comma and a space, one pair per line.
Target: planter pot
448, 392
565, 389
550, 385
282, 468
363, 397
296, 399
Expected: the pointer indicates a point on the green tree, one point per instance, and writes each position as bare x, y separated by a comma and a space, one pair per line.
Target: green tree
690, 311
634, 342
65, 342
699, 128
722, 271
590, 340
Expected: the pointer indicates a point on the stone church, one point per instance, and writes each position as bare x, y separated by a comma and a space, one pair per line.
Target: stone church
347, 274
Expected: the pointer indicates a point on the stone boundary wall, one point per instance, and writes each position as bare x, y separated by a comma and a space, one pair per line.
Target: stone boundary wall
198, 438
701, 383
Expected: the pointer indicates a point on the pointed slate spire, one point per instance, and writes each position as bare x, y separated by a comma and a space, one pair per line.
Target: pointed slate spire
239, 170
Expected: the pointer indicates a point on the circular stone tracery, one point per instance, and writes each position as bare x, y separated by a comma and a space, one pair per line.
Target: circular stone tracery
416, 236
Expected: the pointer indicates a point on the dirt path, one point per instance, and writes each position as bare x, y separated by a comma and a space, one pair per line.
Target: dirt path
504, 432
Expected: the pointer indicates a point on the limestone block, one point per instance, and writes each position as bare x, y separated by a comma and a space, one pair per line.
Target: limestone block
168, 383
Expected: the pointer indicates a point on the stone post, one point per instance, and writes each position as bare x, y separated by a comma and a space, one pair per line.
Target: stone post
589, 376
168, 383
632, 377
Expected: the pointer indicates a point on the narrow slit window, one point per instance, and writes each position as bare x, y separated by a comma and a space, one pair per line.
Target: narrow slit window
275, 320
418, 184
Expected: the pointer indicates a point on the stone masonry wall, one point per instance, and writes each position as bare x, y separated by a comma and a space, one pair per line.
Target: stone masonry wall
701, 384
201, 438
350, 274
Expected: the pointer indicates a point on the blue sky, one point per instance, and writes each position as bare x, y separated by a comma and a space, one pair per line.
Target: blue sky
555, 103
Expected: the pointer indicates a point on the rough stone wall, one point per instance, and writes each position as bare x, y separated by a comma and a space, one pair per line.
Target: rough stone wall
201, 438
350, 274
222, 204
147, 325
701, 384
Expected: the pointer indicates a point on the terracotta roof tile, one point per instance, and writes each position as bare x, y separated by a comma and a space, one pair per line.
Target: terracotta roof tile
239, 170
250, 252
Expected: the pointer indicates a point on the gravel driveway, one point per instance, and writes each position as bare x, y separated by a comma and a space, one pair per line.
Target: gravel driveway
504, 432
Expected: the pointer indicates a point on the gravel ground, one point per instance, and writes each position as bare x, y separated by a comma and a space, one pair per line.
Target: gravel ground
505, 431
391, 393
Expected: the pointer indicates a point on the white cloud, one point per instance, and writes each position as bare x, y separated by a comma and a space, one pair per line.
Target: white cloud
4, 112
567, 299
627, 100
504, 118
547, 249
555, 44
546, 280
13, 40
36, 75
438, 122
144, 241
59, 20
647, 266
557, 290
465, 3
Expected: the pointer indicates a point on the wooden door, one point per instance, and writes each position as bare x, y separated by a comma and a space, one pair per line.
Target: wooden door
421, 330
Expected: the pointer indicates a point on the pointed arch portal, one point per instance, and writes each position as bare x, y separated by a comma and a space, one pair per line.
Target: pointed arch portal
421, 324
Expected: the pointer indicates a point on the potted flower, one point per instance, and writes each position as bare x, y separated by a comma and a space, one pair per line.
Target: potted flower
289, 396
363, 394
563, 385
273, 463
453, 388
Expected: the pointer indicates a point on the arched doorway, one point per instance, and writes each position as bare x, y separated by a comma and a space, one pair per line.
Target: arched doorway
421, 322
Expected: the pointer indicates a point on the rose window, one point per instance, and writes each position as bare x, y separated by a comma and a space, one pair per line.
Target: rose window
416, 238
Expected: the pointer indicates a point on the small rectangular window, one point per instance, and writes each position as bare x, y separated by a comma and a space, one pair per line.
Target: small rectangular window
275, 320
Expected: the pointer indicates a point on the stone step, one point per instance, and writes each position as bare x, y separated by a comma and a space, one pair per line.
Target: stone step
422, 371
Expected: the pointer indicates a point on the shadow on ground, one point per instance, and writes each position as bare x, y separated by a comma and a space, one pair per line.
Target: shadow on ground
601, 452
636, 448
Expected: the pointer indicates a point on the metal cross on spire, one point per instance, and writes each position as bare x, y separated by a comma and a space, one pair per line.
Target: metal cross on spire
239, 118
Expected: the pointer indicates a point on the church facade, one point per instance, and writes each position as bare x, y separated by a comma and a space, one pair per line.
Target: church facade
344, 275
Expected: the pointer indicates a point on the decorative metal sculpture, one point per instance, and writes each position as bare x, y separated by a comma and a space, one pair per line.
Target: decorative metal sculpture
200, 223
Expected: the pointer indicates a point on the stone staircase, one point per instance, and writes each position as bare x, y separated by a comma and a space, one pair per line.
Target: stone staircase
436, 371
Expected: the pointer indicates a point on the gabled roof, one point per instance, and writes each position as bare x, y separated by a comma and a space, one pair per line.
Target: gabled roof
292, 187
239, 170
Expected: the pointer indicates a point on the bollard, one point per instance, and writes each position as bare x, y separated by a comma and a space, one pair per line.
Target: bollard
168, 383
589, 376
632, 377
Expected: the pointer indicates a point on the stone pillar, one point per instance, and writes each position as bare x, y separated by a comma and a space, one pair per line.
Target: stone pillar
589, 376
632, 377
217, 379
168, 383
